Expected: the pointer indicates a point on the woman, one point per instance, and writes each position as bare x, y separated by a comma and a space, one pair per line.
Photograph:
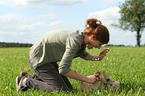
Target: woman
64, 47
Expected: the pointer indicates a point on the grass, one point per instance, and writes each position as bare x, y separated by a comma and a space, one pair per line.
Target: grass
124, 64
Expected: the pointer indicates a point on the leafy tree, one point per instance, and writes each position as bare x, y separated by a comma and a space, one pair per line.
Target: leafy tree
133, 17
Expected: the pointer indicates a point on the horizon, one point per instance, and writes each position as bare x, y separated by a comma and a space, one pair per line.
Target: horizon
102, 45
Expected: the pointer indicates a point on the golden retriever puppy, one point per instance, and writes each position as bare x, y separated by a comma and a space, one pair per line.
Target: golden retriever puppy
100, 83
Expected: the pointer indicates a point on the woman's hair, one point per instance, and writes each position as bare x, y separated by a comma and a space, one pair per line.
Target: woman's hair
100, 32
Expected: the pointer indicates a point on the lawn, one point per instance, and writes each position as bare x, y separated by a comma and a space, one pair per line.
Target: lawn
123, 64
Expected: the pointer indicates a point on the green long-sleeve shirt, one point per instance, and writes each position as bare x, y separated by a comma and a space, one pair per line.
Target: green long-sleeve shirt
61, 46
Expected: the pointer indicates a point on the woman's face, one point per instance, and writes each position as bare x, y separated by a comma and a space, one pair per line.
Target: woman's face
94, 43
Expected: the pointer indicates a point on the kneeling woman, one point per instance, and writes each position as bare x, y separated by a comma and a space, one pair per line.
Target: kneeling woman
62, 46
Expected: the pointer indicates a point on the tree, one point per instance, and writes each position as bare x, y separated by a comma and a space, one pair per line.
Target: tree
133, 17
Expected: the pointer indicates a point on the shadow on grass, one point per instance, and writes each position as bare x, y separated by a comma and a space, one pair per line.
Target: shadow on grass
126, 89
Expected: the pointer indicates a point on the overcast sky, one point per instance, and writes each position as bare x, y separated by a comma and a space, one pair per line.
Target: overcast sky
27, 21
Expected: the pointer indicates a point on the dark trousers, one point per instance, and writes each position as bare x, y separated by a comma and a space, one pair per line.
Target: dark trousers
47, 78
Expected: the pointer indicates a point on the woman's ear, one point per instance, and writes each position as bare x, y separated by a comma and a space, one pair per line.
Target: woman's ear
92, 37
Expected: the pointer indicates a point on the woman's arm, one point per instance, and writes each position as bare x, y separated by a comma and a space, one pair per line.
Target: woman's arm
77, 76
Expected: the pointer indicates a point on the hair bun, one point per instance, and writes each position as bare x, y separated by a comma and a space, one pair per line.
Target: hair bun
93, 23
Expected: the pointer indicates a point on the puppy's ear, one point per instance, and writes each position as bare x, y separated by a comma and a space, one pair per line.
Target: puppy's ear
98, 74
105, 74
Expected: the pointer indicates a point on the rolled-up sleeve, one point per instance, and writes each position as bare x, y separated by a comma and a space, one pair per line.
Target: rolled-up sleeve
83, 54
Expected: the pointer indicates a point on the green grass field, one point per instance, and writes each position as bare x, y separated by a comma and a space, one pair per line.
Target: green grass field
124, 64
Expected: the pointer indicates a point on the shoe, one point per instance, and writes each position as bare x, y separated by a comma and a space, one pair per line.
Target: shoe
22, 73
19, 83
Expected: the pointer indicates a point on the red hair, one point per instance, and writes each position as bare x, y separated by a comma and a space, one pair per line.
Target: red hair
100, 32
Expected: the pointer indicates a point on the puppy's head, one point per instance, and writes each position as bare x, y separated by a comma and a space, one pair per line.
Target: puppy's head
110, 82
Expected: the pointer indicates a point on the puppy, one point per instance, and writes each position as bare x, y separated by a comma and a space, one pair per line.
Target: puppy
100, 83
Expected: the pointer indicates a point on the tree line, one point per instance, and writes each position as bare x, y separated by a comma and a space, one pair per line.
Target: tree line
8, 44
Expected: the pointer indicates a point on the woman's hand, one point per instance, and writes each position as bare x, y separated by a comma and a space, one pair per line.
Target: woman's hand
102, 54
91, 79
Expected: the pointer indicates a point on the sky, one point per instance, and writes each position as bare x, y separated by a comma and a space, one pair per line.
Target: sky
27, 21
